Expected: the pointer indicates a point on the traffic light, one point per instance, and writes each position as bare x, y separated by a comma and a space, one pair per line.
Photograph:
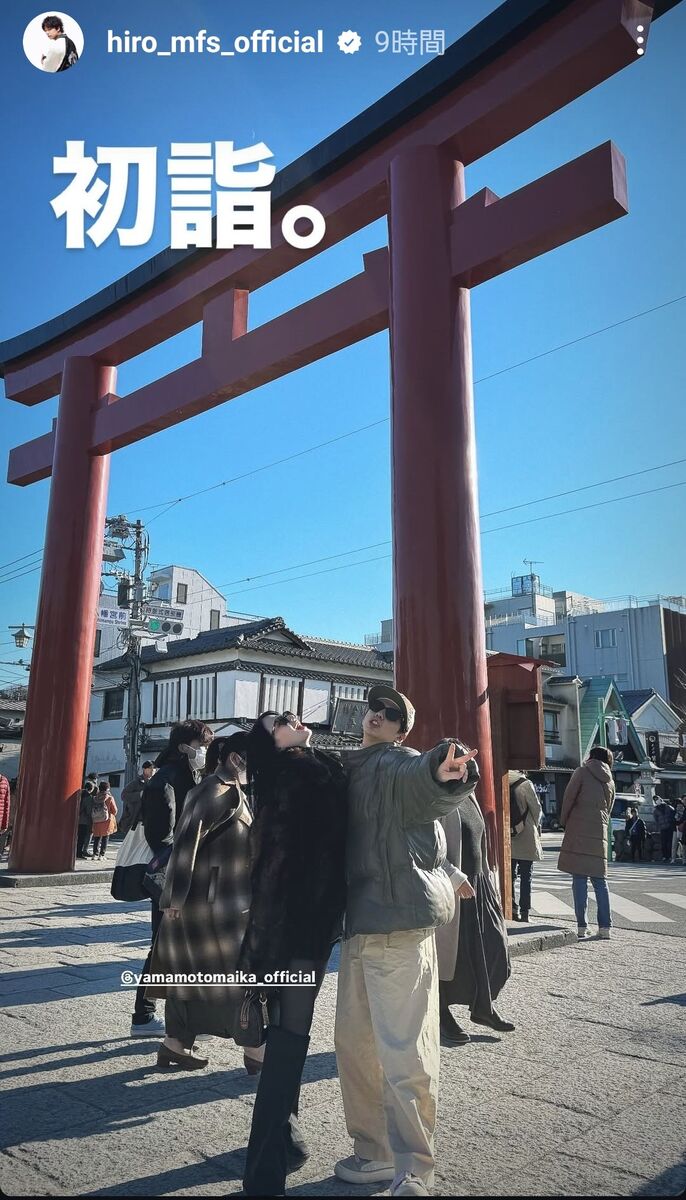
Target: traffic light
164, 628
124, 593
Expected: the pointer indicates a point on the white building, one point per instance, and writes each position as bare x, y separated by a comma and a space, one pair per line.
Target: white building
227, 676
641, 644
204, 607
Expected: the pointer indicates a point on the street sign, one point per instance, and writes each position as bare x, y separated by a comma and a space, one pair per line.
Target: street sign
113, 616
164, 611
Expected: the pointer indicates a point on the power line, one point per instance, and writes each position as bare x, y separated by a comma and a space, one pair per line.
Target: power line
20, 559
258, 470
311, 575
585, 488
363, 428
11, 578
583, 507
583, 338
529, 521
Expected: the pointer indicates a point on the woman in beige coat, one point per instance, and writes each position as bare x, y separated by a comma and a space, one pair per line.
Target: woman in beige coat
586, 809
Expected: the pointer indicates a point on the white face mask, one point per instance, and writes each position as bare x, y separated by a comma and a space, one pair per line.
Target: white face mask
196, 756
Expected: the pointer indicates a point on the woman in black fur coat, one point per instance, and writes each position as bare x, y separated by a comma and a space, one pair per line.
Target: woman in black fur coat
298, 898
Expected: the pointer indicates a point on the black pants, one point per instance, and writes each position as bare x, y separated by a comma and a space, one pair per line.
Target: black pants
637, 849
666, 841
291, 1010
145, 1007
83, 837
525, 870
100, 845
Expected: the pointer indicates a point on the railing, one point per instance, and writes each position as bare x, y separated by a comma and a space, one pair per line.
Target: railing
618, 603
372, 639
528, 617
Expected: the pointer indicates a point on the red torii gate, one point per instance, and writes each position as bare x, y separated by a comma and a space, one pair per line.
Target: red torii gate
404, 157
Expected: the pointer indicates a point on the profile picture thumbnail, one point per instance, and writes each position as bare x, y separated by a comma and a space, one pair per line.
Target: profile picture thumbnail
53, 42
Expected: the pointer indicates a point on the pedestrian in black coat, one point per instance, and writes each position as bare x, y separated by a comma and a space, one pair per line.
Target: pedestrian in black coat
298, 897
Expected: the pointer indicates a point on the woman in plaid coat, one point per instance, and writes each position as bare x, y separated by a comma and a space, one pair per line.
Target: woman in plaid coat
205, 905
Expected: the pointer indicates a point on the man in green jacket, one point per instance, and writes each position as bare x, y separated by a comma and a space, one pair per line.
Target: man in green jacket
400, 888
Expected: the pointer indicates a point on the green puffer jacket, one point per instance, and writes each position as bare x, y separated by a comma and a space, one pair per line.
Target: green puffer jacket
396, 850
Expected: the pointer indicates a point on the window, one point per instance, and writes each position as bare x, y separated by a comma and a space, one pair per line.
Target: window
115, 779
98, 643
605, 638
214, 618
281, 694
166, 702
114, 704
201, 699
551, 726
182, 593
346, 691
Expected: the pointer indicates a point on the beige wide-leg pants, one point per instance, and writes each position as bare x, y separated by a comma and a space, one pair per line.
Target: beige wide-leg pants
387, 1046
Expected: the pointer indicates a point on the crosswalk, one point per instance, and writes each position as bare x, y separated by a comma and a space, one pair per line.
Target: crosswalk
662, 905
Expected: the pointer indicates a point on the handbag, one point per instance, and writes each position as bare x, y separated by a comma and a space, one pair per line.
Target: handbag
130, 866
154, 876
250, 1025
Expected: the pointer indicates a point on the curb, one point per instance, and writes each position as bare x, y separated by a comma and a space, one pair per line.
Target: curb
538, 938
66, 879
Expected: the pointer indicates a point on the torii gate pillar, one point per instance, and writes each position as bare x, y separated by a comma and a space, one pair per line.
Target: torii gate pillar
51, 770
440, 638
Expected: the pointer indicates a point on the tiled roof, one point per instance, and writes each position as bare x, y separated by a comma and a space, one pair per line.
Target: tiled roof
12, 706
255, 635
357, 656
208, 642
636, 699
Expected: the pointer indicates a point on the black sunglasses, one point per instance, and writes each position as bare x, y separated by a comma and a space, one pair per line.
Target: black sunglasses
287, 718
392, 713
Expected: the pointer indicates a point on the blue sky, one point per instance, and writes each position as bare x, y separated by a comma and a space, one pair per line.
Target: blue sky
609, 405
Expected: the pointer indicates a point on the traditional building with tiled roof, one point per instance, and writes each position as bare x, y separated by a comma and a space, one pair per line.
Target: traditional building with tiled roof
227, 677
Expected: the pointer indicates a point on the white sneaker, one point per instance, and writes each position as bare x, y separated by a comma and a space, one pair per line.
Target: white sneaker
365, 1170
604, 935
410, 1185
149, 1028
583, 932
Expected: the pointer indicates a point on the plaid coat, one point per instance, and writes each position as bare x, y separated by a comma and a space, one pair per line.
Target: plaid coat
208, 880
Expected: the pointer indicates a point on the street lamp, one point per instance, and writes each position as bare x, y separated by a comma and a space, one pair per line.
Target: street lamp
22, 637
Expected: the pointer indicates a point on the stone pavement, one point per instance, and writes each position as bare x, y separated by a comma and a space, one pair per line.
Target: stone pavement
586, 1098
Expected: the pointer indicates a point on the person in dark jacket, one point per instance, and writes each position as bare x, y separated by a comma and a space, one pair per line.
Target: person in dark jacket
298, 896
85, 823
636, 832
179, 769
132, 797
665, 821
204, 906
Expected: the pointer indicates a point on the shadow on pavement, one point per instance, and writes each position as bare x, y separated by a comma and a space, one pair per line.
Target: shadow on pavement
680, 998
671, 1182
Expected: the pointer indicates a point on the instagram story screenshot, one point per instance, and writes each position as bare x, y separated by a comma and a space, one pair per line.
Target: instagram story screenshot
343, 706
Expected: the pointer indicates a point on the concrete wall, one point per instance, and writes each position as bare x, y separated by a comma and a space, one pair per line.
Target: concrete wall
637, 660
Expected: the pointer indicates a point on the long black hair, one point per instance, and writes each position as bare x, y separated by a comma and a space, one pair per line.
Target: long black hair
262, 757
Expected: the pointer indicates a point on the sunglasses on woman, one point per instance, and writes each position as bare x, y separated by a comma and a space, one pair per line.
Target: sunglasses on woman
287, 718
391, 713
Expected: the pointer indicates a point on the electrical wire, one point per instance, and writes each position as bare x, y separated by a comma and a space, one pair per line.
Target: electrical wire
168, 505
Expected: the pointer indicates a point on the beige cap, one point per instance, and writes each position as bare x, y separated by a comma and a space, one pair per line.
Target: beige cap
383, 691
